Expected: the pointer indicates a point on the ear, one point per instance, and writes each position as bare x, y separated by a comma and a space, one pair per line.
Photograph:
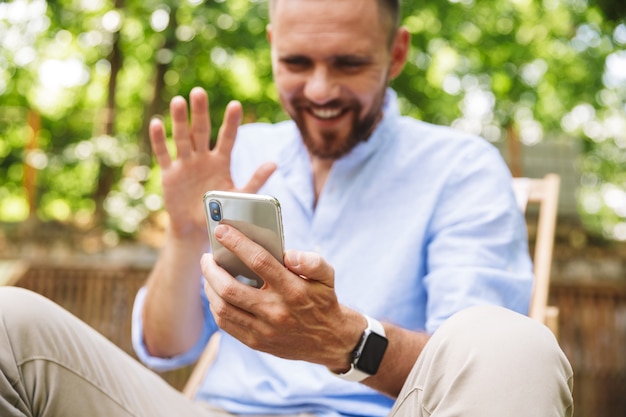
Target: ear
399, 52
268, 32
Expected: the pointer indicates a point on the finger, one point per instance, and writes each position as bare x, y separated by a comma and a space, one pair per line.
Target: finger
180, 127
200, 121
239, 325
257, 258
227, 316
223, 310
310, 265
237, 308
260, 177
228, 130
227, 296
157, 139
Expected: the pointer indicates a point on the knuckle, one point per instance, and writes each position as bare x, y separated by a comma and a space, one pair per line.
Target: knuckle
321, 264
317, 263
220, 311
228, 290
254, 342
260, 261
263, 336
282, 319
235, 242
298, 296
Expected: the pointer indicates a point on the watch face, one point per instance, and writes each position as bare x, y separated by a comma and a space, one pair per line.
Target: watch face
372, 353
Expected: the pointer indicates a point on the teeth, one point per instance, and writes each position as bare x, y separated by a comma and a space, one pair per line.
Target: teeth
326, 113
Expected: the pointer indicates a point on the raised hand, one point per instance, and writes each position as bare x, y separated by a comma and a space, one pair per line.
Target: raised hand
197, 168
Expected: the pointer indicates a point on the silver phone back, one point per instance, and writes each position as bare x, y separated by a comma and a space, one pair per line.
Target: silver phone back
256, 216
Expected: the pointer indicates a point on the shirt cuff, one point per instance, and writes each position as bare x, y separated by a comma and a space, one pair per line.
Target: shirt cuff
174, 362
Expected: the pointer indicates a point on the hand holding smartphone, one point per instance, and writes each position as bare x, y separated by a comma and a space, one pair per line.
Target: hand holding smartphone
256, 216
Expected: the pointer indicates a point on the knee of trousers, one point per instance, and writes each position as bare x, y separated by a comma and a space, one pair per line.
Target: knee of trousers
31, 321
499, 347
20, 307
489, 361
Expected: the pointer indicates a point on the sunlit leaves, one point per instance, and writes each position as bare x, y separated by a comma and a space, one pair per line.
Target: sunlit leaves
527, 67
537, 68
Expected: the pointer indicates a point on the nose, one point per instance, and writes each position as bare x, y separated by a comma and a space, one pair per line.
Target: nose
321, 88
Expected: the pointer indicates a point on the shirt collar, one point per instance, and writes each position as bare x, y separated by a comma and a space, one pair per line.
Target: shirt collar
295, 164
381, 132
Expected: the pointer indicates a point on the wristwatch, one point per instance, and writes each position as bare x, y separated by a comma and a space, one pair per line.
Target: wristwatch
368, 354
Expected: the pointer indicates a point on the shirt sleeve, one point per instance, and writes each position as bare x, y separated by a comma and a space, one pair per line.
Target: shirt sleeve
477, 251
166, 364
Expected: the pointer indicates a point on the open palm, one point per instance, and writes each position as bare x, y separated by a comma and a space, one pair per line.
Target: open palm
197, 168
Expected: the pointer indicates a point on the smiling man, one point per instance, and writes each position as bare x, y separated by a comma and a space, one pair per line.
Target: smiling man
332, 73
404, 287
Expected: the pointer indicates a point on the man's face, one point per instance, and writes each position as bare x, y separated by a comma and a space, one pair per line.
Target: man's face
332, 63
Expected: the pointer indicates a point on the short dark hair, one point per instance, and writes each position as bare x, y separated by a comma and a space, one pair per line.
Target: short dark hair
393, 11
392, 7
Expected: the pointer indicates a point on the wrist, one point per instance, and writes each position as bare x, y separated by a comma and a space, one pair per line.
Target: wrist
196, 241
367, 355
354, 326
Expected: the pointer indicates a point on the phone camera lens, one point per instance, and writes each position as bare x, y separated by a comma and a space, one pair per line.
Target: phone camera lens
215, 210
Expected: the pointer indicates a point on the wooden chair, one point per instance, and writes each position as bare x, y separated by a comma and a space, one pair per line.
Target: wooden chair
201, 367
543, 192
99, 293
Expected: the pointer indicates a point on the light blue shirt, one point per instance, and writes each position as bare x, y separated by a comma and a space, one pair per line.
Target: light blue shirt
418, 222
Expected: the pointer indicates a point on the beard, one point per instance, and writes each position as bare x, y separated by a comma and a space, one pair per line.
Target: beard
331, 144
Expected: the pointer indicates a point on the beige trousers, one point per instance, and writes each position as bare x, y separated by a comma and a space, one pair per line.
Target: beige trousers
483, 362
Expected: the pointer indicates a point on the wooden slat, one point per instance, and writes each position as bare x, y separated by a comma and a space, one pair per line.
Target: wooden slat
546, 192
543, 195
100, 295
592, 333
592, 325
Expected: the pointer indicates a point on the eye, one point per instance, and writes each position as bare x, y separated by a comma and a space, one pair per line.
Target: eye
350, 64
296, 63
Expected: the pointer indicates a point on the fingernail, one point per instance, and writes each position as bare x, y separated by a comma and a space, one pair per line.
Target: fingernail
220, 231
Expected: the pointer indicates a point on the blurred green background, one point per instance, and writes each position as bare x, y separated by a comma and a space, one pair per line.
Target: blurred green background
80, 79
544, 80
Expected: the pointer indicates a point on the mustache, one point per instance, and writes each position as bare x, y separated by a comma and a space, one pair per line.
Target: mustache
304, 103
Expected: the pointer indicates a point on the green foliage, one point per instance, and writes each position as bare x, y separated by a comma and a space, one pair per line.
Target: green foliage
491, 67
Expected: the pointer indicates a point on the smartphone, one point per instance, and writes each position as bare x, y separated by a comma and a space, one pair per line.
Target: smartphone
256, 216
